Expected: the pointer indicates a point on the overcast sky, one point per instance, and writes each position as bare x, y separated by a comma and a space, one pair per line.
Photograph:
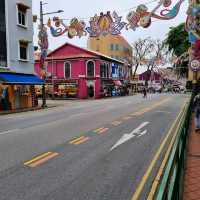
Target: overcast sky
87, 9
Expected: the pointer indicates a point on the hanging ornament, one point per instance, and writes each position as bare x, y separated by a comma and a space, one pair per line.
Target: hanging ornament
75, 27
142, 16
44, 44
108, 23
193, 28
105, 24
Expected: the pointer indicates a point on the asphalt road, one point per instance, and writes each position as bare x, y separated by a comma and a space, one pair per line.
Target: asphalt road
88, 150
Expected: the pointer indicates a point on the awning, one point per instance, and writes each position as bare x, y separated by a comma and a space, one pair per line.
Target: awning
117, 83
20, 79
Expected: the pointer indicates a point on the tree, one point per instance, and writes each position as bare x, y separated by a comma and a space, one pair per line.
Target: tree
156, 57
141, 48
178, 43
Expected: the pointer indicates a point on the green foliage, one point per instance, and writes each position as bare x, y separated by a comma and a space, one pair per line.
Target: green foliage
177, 40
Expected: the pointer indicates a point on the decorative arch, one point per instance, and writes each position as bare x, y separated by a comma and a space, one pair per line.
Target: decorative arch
90, 68
67, 69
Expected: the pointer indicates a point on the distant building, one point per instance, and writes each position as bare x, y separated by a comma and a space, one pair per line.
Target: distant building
16, 55
153, 77
74, 71
16, 35
114, 46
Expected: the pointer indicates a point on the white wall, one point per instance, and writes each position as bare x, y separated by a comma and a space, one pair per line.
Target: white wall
16, 33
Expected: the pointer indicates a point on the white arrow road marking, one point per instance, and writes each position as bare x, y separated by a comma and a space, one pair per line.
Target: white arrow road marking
143, 133
135, 133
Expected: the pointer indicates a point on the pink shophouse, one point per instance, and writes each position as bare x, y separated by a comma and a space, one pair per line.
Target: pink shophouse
81, 72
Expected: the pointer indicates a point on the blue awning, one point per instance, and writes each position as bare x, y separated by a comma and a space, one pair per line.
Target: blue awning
20, 79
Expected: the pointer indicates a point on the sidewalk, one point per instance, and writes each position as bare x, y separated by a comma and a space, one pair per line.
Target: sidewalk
39, 107
192, 168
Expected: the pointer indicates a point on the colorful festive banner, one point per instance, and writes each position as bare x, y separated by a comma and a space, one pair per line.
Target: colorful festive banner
193, 28
108, 23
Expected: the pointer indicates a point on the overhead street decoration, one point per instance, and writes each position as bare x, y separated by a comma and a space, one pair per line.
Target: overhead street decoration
193, 28
44, 44
195, 65
111, 23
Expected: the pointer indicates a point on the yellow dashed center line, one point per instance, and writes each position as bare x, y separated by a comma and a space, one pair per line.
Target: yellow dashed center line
116, 123
103, 130
82, 140
40, 159
76, 140
145, 110
99, 129
126, 118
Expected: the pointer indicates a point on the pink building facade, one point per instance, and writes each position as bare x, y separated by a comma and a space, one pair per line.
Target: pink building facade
80, 72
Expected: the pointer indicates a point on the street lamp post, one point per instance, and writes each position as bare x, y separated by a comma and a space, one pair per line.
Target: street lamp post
42, 36
43, 43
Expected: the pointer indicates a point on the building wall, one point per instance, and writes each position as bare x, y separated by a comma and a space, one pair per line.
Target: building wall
78, 68
3, 49
78, 71
16, 33
121, 50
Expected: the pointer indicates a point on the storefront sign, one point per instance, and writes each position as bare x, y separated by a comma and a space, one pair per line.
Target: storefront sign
195, 65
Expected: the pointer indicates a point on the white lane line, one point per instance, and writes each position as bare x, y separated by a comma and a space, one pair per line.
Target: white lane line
9, 131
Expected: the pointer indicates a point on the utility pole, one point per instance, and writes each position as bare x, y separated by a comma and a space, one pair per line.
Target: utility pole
43, 38
43, 43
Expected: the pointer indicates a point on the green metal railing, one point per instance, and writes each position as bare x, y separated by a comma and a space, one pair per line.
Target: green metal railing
170, 185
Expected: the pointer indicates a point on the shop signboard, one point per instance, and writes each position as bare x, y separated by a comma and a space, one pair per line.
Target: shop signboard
195, 65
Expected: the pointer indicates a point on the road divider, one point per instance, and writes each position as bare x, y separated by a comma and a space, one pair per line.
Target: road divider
40, 159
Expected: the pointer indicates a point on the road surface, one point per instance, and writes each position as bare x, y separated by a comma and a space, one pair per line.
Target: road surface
84, 150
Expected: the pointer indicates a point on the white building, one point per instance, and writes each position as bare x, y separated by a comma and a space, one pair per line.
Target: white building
16, 36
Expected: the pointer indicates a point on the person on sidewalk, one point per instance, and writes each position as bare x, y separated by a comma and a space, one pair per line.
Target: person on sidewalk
197, 111
144, 92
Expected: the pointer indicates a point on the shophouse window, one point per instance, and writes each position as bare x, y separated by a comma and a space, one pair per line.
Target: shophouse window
107, 70
90, 68
103, 70
22, 14
116, 47
67, 70
3, 47
111, 47
97, 48
23, 50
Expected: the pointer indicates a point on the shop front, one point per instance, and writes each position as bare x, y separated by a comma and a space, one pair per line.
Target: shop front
17, 91
60, 89
107, 86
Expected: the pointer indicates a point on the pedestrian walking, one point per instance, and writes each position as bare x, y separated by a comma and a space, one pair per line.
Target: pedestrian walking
197, 112
144, 93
